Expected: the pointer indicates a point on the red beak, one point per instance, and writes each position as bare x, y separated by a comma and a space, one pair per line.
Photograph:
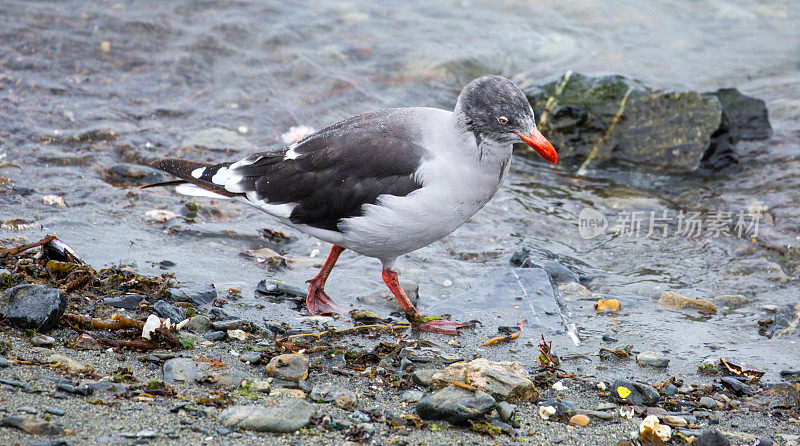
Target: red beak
541, 145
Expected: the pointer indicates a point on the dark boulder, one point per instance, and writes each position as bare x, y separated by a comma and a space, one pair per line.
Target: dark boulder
132, 175
33, 306
602, 119
455, 404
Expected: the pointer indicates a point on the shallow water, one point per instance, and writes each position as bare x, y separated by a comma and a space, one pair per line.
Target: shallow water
86, 85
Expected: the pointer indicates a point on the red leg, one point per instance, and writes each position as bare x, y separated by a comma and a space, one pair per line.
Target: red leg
417, 320
317, 301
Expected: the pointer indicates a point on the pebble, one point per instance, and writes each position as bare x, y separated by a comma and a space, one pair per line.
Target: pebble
31, 425
503, 380
194, 293
180, 370
215, 336
258, 384
250, 357
677, 301
168, 311
72, 365
3, 362
327, 392
711, 438
32, 306
627, 391
674, 420
707, 402
77, 390
126, 301
54, 411
411, 396
652, 359
579, 420
288, 415
736, 386
227, 324
41, 340
423, 377
28, 410
199, 324
285, 392
290, 367
455, 405
606, 305
506, 411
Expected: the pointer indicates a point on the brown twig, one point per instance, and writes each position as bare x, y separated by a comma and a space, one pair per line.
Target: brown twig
345, 330
78, 282
23, 248
465, 385
505, 338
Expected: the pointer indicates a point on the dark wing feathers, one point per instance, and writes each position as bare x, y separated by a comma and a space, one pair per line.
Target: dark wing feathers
337, 170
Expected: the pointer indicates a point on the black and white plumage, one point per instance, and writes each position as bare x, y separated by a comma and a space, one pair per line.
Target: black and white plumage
383, 183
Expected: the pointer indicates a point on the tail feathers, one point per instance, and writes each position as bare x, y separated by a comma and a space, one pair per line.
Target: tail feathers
196, 173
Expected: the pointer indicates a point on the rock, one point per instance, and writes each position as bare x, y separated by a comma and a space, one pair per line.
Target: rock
614, 118
423, 377
711, 438
230, 378
250, 357
198, 324
411, 396
652, 432
72, 365
498, 289
32, 306
737, 387
227, 324
632, 392
677, 301
133, 175
194, 293
606, 306
455, 405
180, 370
747, 116
579, 420
215, 336
506, 381
561, 269
779, 396
327, 392
75, 390
290, 367
55, 411
731, 300
41, 340
760, 266
707, 402
168, 311
31, 425
3, 362
675, 421
652, 359
784, 322
285, 392
506, 411
563, 408
365, 316
126, 301
258, 385
288, 415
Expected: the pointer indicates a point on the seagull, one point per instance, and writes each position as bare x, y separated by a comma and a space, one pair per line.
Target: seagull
383, 183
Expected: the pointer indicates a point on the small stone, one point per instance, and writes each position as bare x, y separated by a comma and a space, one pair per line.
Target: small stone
32, 306
288, 415
606, 306
168, 311
180, 370
707, 402
132, 174
290, 367
72, 365
198, 324
31, 425
579, 420
76, 390
227, 324
652, 432
257, 384
28, 409
251, 357
411, 396
503, 380
455, 405
284, 392
506, 411
126, 301
215, 336
365, 316
711, 438
632, 392
54, 411
328, 392
194, 293
674, 420
41, 340
737, 387
3, 362
423, 377
677, 301
652, 359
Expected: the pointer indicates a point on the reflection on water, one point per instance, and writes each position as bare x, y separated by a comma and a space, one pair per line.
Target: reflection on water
87, 85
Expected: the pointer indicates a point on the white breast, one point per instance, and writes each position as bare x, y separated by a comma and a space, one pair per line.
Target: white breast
456, 184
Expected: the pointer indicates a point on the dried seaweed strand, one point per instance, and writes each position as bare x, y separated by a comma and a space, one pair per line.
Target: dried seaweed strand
345, 330
117, 322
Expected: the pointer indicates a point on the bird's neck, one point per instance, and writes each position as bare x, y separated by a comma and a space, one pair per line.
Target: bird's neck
474, 144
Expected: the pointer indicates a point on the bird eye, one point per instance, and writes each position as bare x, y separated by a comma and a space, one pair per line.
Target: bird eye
502, 120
